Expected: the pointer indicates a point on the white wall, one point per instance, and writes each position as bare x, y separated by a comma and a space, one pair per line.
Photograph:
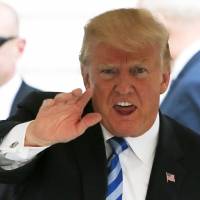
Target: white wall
53, 30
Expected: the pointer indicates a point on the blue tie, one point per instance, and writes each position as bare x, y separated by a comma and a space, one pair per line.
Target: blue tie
115, 178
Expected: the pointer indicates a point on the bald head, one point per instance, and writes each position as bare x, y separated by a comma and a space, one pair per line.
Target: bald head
12, 49
180, 9
9, 23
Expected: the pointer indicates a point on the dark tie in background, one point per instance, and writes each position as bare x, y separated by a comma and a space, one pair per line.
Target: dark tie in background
115, 176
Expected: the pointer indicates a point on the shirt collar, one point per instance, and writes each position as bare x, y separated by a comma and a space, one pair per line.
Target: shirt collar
143, 146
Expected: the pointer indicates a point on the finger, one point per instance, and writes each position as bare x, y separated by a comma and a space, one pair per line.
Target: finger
76, 95
47, 103
87, 121
83, 100
63, 97
77, 92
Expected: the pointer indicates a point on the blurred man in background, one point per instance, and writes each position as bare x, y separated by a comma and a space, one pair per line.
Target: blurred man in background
12, 88
182, 18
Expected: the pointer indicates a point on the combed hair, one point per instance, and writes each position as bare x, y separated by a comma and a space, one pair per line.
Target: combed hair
127, 29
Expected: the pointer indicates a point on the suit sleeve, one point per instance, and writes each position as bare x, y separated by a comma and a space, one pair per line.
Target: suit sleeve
27, 111
183, 104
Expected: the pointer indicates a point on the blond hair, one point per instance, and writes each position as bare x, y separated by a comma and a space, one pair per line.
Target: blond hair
127, 29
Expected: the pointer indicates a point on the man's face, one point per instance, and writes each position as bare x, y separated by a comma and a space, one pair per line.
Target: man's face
8, 60
126, 86
10, 50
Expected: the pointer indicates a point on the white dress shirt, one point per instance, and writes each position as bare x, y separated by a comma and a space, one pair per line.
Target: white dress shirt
180, 63
13, 153
136, 161
8, 92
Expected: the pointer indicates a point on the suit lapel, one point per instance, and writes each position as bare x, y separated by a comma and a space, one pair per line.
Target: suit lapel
91, 158
167, 172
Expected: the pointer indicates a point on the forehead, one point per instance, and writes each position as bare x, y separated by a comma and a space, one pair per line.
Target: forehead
8, 24
105, 53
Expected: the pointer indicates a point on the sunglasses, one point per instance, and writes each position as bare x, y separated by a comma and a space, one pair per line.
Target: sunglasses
3, 40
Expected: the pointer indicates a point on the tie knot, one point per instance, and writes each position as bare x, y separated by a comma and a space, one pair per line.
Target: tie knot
118, 144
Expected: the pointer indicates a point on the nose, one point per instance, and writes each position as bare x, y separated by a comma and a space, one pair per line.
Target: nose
124, 85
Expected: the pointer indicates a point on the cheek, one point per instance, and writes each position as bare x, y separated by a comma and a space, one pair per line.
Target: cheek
7, 60
99, 100
148, 93
102, 94
6, 66
97, 83
99, 92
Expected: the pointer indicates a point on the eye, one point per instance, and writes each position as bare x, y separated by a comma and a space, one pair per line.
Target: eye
108, 72
139, 71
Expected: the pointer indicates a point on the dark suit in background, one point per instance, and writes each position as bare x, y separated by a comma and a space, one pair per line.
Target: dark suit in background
182, 102
23, 91
77, 170
11, 49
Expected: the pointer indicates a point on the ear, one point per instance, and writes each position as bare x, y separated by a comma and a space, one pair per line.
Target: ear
85, 75
20, 44
164, 81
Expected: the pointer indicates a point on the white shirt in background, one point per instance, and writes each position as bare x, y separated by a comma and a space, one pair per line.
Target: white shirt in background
8, 92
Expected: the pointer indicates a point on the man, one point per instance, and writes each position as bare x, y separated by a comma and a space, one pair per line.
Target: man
12, 88
182, 102
57, 145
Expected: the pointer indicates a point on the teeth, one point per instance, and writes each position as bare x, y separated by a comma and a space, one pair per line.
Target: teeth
124, 103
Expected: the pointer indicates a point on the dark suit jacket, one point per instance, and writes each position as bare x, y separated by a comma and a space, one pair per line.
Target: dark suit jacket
23, 91
182, 102
77, 170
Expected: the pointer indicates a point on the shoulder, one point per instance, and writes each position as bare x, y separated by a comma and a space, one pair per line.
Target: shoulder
30, 105
40, 95
188, 140
37, 97
180, 142
26, 88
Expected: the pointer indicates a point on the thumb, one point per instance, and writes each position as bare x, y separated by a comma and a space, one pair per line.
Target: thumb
87, 121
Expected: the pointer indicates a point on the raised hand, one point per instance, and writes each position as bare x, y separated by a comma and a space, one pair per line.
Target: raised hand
59, 119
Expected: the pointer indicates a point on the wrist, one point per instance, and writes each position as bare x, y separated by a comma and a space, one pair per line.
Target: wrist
32, 141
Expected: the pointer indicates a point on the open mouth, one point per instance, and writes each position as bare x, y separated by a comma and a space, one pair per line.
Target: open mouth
124, 108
